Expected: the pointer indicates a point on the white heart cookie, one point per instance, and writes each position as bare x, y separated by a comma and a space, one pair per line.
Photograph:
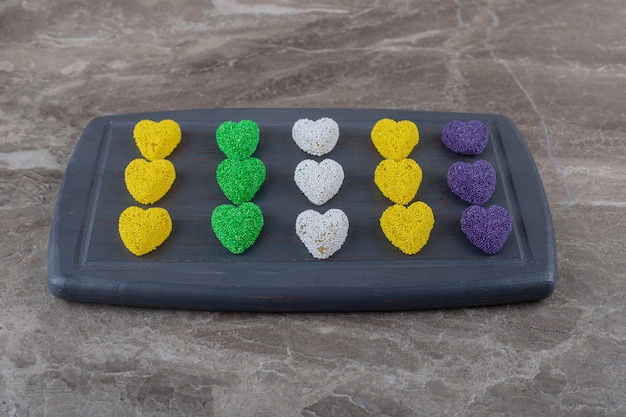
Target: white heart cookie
322, 234
319, 182
316, 137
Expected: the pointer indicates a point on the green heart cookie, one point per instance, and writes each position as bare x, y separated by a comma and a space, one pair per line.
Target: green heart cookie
238, 140
237, 227
240, 179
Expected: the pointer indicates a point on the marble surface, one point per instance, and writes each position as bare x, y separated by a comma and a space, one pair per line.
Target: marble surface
556, 68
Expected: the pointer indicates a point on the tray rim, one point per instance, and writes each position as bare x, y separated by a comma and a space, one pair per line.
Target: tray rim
89, 288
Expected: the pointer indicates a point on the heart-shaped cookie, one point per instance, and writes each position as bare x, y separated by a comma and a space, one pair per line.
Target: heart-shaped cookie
156, 140
487, 229
474, 183
240, 179
465, 138
322, 234
408, 228
238, 140
394, 140
237, 227
398, 180
142, 231
316, 137
148, 181
319, 182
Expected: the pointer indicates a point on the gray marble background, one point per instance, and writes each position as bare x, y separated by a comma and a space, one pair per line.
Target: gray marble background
556, 68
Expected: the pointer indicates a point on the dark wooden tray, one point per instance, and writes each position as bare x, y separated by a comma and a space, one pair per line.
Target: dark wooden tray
191, 270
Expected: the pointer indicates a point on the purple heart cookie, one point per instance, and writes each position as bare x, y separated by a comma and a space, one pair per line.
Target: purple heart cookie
465, 138
487, 229
474, 183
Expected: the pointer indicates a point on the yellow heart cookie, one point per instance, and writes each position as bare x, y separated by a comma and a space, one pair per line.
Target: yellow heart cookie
157, 140
398, 180
147, 181
142, 231
408, 228
395, 140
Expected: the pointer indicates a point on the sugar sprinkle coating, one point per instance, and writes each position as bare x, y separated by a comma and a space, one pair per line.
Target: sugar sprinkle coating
142, 231
399, 181
322, 234
238, 140
157, 140
394, 140
408, 228
316, 137
240, 179
148, 181
237, 227
487, 229
319, 182
474, 183
469, 138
